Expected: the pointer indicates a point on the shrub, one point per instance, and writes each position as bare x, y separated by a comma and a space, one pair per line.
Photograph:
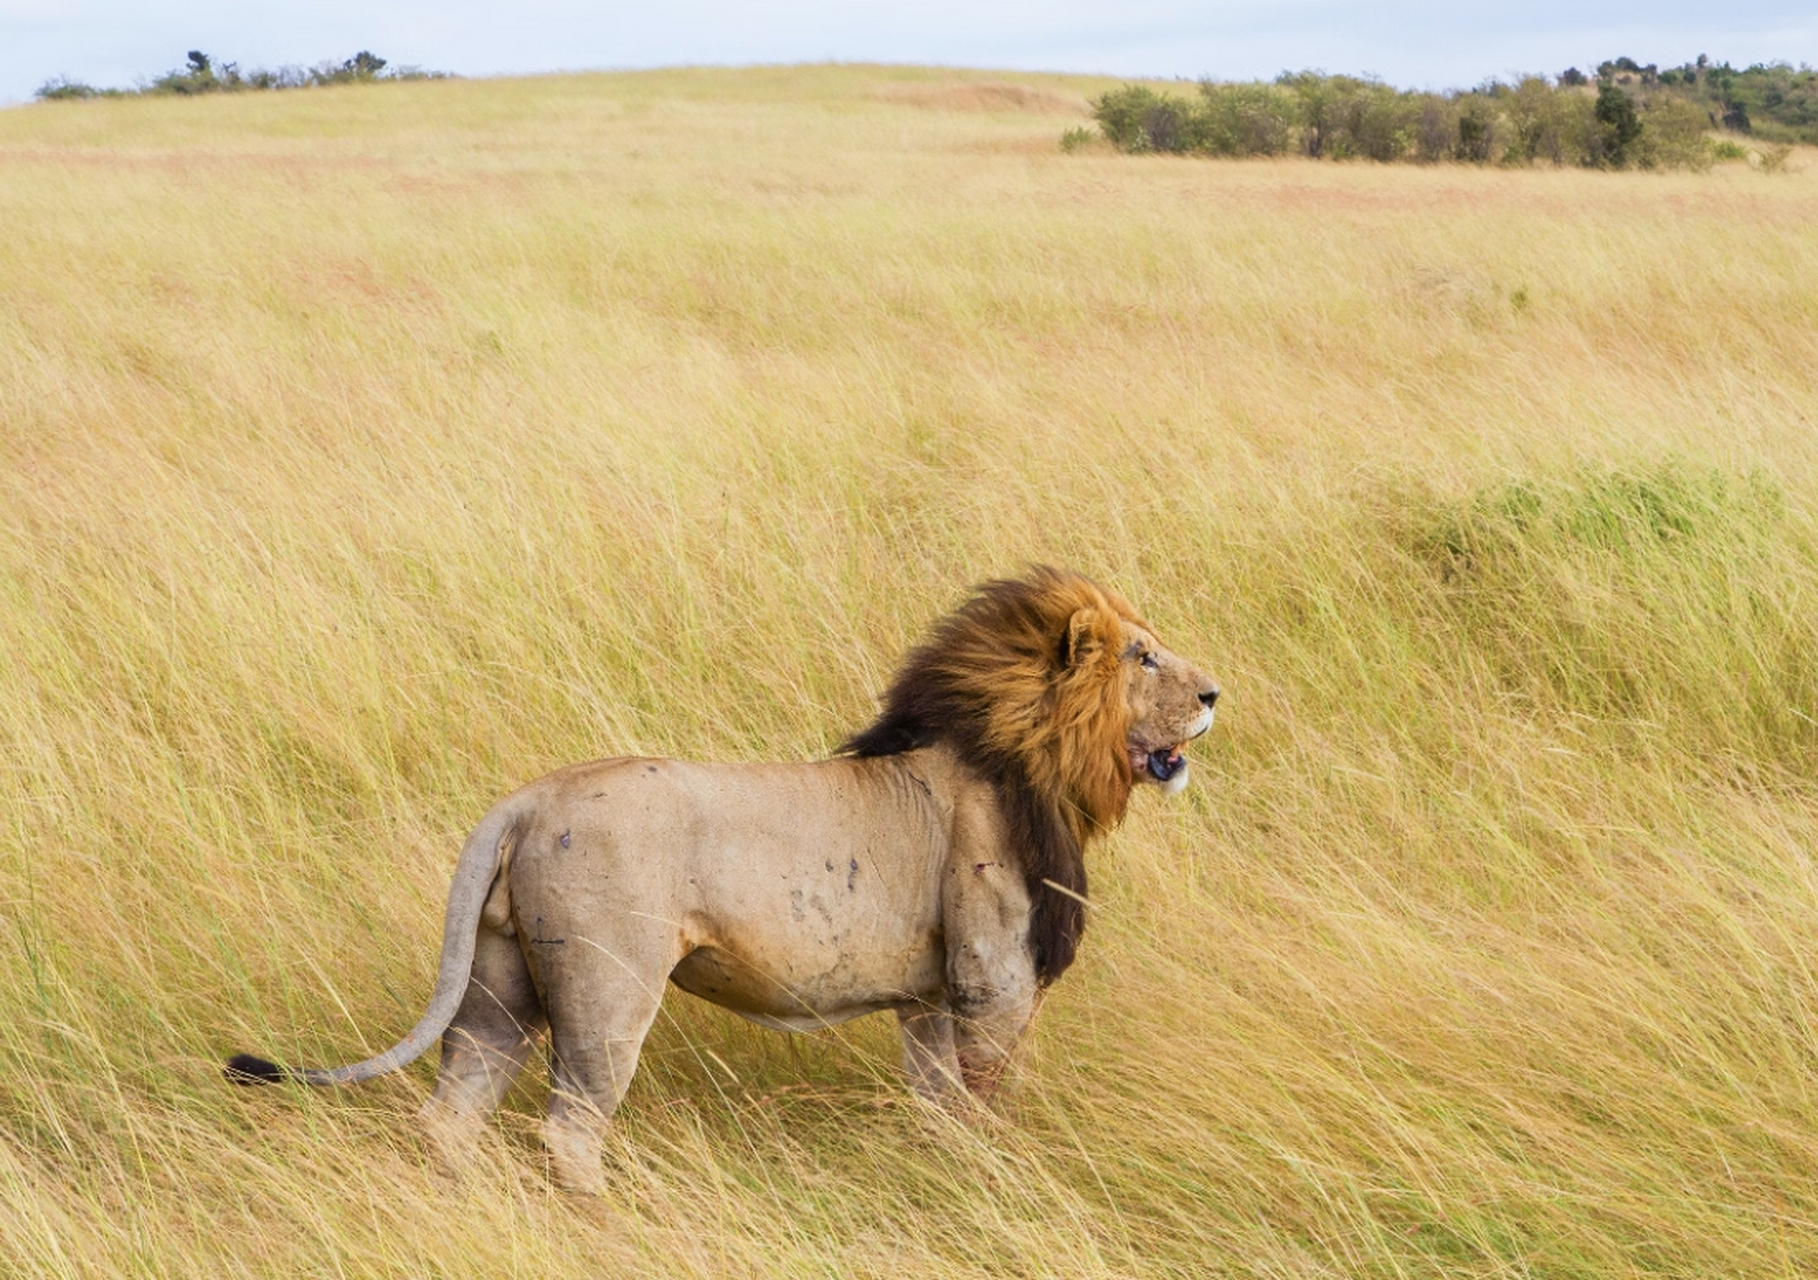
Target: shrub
1435, 128
198, 77
1476, 132
1324, 103
1136, 118
1580, 134
1380, 123
1246, 119
1772, 159
1538, 117
59, 88
363, 66
1671, 135
1620, 126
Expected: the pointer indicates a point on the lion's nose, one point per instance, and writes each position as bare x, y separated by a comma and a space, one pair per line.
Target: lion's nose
1208, 697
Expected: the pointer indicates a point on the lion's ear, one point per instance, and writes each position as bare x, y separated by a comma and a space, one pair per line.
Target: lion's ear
1081, 643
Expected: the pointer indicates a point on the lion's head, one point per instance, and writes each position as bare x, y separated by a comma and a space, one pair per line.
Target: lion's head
1058, 692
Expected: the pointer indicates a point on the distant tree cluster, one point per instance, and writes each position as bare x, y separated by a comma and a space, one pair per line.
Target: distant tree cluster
1775, 101
204, 75
1625, 115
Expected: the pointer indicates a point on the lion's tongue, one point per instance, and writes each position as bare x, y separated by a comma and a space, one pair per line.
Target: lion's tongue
1164, 764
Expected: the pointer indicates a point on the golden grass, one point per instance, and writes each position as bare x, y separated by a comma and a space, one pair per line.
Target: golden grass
366, 452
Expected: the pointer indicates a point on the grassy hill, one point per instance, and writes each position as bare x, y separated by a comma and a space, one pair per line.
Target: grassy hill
365, 452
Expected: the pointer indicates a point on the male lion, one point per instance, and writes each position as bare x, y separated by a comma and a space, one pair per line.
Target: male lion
933, 867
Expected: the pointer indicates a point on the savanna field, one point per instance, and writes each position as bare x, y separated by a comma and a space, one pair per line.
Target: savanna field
367, 452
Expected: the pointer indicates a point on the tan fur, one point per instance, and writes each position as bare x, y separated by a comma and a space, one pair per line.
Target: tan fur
914, 873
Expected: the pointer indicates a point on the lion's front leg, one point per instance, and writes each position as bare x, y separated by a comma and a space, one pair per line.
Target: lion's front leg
992, 1010
929, 1058
991, 981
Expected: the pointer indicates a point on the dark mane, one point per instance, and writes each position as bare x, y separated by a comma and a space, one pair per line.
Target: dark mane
1022, 681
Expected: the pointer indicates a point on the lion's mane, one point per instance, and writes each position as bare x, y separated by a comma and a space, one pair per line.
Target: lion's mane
1024, 682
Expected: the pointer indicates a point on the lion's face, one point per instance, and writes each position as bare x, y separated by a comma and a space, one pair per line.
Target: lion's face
1169, 702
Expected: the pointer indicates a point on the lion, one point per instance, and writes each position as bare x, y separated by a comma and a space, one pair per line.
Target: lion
933, 867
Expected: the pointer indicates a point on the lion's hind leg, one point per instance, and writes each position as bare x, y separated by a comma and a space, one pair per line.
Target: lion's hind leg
484, 1048
603, 998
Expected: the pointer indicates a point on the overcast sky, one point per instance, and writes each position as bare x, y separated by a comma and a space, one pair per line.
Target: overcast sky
1411, 43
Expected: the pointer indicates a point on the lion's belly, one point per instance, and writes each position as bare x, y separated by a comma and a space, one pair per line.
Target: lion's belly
811, 990
799, 895
800, 913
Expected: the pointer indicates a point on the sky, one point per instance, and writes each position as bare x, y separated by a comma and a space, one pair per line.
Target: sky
1410, 43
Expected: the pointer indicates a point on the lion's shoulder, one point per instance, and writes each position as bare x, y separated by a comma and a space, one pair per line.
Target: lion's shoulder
1016, 682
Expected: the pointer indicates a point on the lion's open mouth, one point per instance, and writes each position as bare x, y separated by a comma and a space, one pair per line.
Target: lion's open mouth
1162, 764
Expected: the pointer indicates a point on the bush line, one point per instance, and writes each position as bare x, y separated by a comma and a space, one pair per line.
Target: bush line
202, 75
1627, 116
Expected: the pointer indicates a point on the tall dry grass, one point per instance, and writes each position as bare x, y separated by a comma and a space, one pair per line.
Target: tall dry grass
365, 453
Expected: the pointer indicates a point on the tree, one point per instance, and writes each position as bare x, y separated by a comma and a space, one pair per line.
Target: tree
1620, 125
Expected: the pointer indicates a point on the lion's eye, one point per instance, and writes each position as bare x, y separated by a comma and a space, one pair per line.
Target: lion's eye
1149, 662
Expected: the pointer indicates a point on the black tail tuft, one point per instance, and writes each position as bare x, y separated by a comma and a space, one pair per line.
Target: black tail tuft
243, 1068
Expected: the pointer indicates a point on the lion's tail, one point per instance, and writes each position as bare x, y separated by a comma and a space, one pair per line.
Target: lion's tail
473, 877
